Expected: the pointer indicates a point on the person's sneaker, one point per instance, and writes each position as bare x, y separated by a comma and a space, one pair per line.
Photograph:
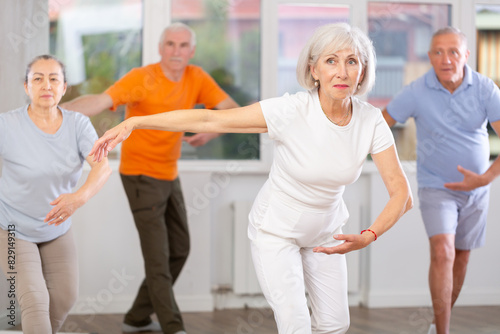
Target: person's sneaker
152, 327
432, 329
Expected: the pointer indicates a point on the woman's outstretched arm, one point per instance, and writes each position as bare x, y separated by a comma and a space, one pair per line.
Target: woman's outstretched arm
248, 119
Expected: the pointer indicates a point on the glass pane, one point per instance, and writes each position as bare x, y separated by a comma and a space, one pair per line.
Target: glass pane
401, 34
228, 48
488, 41
98, 42
296, 24
488, 53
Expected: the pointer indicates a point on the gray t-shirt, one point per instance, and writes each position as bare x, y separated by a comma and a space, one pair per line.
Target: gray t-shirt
37, 168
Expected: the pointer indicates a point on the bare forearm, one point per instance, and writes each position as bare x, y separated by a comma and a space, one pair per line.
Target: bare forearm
239, 120
398, 187
494, 169
189, 120
96, 179
248, 119
395, 208
492, 172
398, 204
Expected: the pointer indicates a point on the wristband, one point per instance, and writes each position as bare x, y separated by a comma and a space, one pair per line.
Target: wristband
375, 234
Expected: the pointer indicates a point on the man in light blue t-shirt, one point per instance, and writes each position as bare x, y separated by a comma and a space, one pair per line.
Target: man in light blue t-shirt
451, 105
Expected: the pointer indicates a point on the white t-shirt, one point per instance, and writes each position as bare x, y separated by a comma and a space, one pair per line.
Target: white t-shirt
315, 159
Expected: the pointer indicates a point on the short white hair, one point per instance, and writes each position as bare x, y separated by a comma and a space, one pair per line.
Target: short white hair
332, 38
450, 30
176, 27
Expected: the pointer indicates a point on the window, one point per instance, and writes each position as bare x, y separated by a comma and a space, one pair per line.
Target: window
488, 53
98, 42
401, 33
296, 24
228, 48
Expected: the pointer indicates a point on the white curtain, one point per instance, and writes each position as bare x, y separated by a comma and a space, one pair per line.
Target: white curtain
24, 34
488, 53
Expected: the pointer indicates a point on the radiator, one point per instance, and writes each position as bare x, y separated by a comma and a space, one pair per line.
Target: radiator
353, 226
244, 278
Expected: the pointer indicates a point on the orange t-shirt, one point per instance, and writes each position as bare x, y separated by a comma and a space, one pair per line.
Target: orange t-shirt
145, 91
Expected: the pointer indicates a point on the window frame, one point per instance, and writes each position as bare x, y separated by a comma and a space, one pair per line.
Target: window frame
157, 15
472, 39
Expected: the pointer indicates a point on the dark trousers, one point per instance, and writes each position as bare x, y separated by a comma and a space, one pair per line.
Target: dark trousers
160, 217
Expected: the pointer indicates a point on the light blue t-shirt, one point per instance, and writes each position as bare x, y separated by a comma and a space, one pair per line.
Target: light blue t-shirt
451, 128
37, 168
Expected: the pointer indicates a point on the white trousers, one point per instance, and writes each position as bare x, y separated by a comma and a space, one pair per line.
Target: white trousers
286, 271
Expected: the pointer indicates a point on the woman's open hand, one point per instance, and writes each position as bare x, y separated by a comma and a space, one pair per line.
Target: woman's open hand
351, 242
110, 139
64, 206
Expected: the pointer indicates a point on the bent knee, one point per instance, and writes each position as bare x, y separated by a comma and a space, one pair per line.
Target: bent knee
292, 318
34, 304
64, 298
65, 304
337, 323
337, 327
34, 299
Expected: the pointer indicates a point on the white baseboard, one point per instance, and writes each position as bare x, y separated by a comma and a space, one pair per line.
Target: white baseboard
393, 299
198, 303
92, 305
479, 298
230, 300
390, 299
121, 304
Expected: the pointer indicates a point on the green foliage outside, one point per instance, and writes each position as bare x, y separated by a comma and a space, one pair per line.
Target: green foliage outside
104, 64
109, 56
235, 66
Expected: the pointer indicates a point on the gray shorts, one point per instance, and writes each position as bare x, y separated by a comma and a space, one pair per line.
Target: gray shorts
452, 212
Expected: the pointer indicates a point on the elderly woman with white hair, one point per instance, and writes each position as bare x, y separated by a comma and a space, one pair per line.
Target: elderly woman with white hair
322, 137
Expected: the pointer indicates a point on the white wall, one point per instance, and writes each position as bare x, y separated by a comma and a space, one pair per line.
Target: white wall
23, 35
111, 265
392, 272
399, 260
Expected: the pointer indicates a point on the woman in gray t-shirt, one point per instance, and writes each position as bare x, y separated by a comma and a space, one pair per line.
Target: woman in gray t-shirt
43, 149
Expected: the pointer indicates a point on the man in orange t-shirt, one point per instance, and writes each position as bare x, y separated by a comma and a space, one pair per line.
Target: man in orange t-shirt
148, 168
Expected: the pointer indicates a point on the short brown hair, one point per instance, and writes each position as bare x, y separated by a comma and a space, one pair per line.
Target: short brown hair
45, 57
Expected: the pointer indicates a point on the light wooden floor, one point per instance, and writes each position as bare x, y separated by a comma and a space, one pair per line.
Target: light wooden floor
465, 320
